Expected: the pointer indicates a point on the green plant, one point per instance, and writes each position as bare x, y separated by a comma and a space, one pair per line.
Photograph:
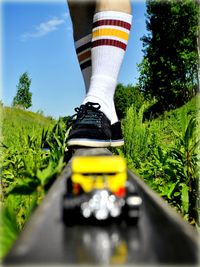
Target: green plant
165, 153
136, 134
31, 168
186, 163
27, 169
8, 227
174, 172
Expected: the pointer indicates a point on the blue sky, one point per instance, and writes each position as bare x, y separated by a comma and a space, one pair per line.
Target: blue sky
38, 38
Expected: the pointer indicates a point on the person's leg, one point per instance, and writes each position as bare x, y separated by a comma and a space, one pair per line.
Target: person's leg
111, 26
82, 18
114, 5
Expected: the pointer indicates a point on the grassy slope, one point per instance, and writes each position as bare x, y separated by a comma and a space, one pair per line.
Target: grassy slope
141, 137
150, 145
176, 120
17, 123
15, 126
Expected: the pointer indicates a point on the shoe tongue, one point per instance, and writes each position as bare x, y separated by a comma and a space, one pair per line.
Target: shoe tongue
93, 105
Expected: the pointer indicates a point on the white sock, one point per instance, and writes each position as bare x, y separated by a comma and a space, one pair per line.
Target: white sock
83, 51
109, 40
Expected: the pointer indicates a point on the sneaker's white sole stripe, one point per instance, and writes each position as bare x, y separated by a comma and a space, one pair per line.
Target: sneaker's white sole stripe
89, 143
117, 143
95, 143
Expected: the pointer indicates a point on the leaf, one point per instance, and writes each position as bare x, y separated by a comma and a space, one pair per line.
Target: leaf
32, 205
195, 146
176, 194
23, 187
8, 226
46, 174
185, 197
189, 132
171, 189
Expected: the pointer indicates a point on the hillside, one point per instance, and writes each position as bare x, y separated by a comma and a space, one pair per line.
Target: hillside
165, 153
160, 151
17, 123
27, 171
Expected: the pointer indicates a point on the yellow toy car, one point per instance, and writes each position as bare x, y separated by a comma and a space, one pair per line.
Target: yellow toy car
98, 189
100, 172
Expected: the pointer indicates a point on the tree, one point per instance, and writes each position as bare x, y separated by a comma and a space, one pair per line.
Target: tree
125, 96
23, 97
169, 69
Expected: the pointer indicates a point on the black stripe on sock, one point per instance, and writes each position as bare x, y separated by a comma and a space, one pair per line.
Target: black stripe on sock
86, 64
83, 47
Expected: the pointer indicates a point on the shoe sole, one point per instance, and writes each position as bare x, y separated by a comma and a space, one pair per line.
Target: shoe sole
95, 143
117, 143
89, 143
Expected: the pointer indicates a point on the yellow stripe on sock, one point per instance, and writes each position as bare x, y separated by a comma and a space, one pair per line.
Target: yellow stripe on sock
110, 32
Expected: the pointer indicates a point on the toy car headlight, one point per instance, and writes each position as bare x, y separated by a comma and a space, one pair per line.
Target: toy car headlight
102, 205
134, 200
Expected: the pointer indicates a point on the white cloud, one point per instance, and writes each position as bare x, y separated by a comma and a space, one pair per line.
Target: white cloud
65, 15
44, 28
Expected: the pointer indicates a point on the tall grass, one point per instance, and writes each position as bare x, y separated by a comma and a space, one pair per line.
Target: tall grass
17, 124
27, 170
141, 138
136, 136
165, 153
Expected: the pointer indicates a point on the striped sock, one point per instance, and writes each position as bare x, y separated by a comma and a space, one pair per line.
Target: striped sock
83, 51
109, 40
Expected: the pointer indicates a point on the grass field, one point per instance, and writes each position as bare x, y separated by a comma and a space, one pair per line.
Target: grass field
27, 170
17, 123
163, 151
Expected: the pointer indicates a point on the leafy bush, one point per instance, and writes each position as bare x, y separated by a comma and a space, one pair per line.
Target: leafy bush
125, 96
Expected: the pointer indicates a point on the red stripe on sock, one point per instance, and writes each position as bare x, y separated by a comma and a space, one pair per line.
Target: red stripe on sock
109, 42
112, 22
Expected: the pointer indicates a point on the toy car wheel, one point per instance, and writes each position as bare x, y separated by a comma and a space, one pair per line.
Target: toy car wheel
71, 208
132, 207
69, 186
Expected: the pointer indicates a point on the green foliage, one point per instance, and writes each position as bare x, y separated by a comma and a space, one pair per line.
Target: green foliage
27, 169
169, 67
186, 163
136, 136
125, 96
165, 152
8, 227
23, 97
16, 124
30, 168
186, 149
64, 120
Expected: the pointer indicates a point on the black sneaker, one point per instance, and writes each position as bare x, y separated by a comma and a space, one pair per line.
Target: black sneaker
116, 139
91, 127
